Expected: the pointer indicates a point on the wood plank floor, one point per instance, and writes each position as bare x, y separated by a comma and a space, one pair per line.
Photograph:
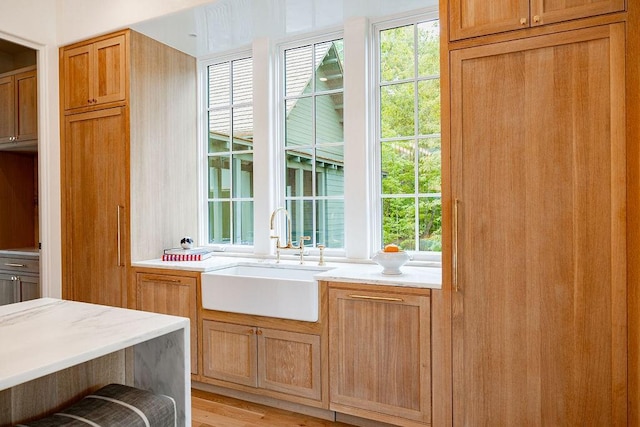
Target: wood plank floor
212, 410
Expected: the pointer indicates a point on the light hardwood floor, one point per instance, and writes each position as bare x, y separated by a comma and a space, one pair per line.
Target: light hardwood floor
212, 410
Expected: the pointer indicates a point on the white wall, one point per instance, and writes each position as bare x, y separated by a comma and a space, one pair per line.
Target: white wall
45, 25
81, 19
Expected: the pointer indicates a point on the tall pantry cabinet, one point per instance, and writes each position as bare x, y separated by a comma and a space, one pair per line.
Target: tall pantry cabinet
128, 130
537, 198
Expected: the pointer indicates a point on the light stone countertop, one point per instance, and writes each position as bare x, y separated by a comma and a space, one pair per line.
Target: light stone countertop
47, 335
369, 273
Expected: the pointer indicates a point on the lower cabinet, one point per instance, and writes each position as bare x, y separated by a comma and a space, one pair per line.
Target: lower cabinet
380, 353
268, 359
173, 294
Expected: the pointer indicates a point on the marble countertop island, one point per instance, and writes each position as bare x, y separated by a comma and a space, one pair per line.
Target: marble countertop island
45, 336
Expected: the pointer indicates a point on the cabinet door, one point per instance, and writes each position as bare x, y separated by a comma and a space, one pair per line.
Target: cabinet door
550, 11
95, 73
289, 362
229, 352
539, 307
9, 289
110, 70
7, 109
379, 349
26, 106
95, 227
77, 75
472, 18
174, 295
29, 287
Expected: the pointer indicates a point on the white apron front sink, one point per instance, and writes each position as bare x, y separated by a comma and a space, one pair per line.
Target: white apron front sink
285, 292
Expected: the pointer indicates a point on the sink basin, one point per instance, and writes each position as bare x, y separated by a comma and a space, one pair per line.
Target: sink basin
273, 291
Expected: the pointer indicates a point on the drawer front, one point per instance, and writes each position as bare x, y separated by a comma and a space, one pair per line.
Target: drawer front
20, 265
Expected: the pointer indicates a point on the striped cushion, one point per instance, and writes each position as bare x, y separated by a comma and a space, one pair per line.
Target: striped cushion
115, 405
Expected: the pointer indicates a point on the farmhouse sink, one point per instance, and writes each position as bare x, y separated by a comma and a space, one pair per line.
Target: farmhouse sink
286, 292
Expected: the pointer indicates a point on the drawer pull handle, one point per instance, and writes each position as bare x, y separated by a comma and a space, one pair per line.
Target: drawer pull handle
11, 264
376, 298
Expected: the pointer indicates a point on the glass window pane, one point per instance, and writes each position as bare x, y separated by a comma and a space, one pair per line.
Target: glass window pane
398, 222
397, 54
397, 110
330, 171
219, 130
219, 222
429, 106
243, 128
243, 223
329, 59
299, 123
299, 173
398, 167
330, 223
219, 81
298, 65
243, 81
219, 177
329, 118
301, 219
243, 175
430, 165
430, 224
429, 48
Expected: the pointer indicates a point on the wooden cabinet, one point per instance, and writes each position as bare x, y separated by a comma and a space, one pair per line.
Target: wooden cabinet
18, 109
174, 294
126, 102
282, 361
18, 200
539, 305
95, 73
95, 230
472, 18
380, 352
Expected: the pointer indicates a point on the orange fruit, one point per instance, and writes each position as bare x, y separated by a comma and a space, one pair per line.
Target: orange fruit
391, 248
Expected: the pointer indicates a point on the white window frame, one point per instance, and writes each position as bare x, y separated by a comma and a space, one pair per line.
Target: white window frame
280, 179
203, 127
412, 18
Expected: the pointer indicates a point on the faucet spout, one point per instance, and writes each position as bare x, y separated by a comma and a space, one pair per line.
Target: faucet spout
289, 243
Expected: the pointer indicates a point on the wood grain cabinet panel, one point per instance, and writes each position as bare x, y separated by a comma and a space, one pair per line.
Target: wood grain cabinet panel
539, 305
18, 107
270, 359
95, 73
95, 230
174, 295
379, 356
473, 18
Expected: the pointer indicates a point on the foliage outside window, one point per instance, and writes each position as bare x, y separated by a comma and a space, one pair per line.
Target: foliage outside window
314, 141
230, 152
409, 136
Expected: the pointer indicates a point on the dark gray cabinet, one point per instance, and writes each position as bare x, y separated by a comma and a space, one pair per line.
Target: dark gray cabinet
19, 278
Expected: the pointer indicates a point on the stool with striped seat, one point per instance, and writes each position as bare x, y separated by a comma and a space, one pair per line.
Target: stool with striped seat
114, 405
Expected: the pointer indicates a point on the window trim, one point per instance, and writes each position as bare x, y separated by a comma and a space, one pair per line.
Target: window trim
375, 209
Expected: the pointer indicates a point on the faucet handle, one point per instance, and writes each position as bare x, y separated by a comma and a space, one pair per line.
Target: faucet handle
321, 249
302, 239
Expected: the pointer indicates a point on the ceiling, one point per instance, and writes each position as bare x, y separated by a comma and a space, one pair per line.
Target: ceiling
225, 25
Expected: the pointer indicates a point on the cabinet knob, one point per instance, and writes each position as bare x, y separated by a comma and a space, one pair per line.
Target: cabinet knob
259, 332
523, 21
536, 19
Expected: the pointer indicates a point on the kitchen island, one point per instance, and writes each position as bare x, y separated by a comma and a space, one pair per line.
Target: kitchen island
53, 352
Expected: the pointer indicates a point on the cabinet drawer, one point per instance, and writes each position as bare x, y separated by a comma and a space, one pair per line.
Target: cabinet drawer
20, 265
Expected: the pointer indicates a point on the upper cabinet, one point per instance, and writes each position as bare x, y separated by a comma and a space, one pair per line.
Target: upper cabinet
95, 73
18, 108
472, 18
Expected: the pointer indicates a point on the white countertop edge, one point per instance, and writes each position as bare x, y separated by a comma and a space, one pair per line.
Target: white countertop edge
368, 273
173, 323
